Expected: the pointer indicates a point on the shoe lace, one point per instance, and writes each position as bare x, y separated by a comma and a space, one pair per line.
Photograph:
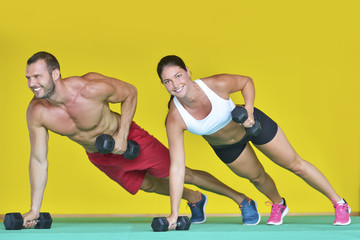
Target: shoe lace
195, 209
244, 209
276, 208
341, 209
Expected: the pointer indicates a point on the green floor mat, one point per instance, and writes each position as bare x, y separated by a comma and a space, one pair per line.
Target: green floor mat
294, 228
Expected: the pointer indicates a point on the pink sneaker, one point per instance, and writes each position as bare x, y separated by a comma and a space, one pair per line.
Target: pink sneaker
342, 213
278, 212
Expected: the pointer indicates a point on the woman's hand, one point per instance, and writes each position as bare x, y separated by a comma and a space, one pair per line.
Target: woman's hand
249, 122
30, 219
172, 220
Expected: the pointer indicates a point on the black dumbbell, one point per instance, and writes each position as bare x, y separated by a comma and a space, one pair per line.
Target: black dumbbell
14, 221
160, 224
105, 144
239, 115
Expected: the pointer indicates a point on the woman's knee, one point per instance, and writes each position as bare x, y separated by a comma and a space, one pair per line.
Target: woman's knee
298, 166
258, 179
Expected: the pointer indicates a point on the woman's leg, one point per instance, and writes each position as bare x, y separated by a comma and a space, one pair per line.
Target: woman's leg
248, 166
280, 151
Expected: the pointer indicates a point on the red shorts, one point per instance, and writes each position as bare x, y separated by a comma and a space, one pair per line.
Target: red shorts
154, 158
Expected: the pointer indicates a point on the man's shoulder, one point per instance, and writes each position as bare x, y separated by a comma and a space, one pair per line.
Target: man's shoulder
96, 85
36, 109
87, 85
93, 76
90, 79
36, 104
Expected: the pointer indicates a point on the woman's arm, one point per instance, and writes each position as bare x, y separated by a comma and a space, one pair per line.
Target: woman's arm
226, 84
175, 134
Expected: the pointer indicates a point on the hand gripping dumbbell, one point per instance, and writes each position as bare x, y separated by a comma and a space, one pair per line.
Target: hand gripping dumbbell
14, 221
160, 224
105, 144
239, 115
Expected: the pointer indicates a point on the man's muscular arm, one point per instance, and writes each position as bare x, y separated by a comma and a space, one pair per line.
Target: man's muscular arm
117, 91
38, 165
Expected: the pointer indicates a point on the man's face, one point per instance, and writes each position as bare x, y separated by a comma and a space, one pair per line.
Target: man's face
40, 81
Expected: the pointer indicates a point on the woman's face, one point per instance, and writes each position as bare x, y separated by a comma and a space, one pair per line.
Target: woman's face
175, 80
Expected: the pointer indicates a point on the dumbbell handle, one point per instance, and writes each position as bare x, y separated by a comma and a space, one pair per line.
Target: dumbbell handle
37, 220
105, 144
239, 115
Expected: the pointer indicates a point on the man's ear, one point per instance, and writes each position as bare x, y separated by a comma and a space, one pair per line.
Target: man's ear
56, 74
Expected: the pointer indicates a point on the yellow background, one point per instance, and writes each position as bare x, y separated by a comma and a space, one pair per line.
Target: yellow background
303, 56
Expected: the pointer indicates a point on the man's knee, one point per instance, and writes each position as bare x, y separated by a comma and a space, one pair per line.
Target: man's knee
189, 175
148, 184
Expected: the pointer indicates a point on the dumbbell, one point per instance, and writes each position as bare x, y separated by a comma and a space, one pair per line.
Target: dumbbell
14, 221
160, 224
105, 144
239, 115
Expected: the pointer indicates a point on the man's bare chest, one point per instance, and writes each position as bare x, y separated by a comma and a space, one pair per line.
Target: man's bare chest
74, 119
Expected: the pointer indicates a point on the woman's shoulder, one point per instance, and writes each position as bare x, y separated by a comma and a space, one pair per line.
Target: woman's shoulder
225, 82
217, 80
173, 117
217, 83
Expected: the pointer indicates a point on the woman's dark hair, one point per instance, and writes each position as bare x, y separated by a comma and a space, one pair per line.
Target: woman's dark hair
170, 60
51, 62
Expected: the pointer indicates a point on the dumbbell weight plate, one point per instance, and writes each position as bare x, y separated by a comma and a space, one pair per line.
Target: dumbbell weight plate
160, 224
13, 221
183, 223
44, 221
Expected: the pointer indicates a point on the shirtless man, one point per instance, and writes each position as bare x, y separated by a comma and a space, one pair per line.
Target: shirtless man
78, 108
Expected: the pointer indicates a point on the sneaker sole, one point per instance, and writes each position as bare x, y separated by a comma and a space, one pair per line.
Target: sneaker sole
342, 224
282, 217
253, 224
206, 199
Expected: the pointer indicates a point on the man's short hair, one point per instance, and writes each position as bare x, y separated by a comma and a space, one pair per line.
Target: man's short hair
51, 62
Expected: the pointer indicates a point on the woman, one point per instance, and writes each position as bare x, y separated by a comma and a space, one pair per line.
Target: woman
204, 107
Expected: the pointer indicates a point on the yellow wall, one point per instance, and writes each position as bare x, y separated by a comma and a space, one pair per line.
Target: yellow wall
302, 55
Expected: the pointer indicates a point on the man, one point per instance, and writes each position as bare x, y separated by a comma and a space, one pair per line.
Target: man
78, 107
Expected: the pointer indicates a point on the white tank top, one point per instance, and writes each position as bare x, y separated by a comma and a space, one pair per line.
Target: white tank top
218, 118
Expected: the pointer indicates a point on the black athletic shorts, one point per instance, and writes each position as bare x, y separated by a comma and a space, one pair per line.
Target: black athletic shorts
229, 153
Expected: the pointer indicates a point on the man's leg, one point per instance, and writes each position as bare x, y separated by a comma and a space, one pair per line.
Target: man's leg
160, 186
206, 181
196, 200
201, 179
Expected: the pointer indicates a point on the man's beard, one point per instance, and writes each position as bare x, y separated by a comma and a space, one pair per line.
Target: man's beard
49, 90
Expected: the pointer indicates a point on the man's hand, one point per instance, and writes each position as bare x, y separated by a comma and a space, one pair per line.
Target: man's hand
120, 145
